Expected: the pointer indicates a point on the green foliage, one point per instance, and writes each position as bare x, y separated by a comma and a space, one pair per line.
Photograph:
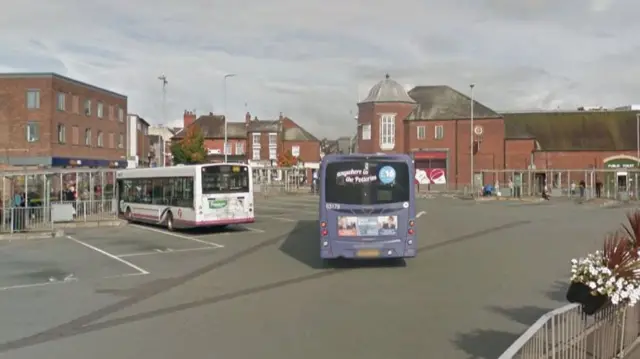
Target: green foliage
190, 149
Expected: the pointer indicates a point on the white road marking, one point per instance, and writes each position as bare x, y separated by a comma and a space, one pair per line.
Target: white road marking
420, 214
276, 217
136, 274
285, 209
289, 201
35, 285
252, 229
112, 256
168, 251
177, 235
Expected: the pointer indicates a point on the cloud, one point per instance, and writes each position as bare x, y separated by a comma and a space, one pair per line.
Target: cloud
312, 60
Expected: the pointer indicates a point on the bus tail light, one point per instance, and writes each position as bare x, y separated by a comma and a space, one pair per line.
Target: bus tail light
410, 231
323, 224
325, 232
412, 223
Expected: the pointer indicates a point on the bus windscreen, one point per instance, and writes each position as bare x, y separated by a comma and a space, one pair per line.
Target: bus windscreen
367, 182
225, 179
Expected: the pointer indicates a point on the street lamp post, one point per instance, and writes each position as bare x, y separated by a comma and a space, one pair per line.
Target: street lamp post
471, 129
638, 139
224, 94
163, 78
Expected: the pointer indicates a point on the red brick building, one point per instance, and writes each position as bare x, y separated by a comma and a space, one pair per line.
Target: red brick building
432, 123
267, 140
51, 120
212, 127
257, 142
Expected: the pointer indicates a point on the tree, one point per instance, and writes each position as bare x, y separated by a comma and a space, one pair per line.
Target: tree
190, 149
287, 160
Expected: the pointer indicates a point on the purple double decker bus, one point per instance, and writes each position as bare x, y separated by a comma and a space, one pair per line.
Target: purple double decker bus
367, 206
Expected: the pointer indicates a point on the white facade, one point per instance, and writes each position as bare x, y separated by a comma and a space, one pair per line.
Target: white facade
629, 108
132, 141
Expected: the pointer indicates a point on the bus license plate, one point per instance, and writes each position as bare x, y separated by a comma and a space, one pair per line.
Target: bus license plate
368, 253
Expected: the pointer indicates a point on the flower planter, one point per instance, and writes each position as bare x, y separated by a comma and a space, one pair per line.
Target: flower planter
581, 293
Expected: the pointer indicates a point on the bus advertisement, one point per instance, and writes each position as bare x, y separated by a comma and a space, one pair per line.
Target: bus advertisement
367, 207
208, 195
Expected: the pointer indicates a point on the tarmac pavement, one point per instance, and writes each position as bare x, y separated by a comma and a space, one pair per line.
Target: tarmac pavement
484, 272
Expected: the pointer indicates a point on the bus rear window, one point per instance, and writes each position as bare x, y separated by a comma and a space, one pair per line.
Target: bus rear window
367, 182
225, 179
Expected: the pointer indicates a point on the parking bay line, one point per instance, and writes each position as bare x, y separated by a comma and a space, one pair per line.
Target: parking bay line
206, 243
168, 251
35, 285
112, 256
287, 209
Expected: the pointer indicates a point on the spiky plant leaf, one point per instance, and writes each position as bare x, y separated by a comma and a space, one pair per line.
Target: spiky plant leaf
620, 255
632, 229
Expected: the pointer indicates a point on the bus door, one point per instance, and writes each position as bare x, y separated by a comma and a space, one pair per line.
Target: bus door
225, 193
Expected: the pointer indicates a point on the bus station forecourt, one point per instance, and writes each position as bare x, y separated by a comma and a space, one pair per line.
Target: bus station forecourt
483, 273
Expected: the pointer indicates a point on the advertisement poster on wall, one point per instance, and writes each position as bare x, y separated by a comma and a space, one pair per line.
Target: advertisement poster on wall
431, 176
367, 226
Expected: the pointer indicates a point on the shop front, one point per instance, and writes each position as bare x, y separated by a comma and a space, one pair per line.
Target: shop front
621, 174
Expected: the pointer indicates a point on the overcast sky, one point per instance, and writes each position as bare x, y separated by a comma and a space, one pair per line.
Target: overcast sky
313, 59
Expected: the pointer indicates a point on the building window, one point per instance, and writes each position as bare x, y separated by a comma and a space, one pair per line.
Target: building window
61, 103
87, 137
111, 115
120, 141
120, 114
62, 134
75, 104
273, 140
256, 139
33, 99
100, 139
366, 132
295, 151
33, 132
421, 132
227, 148
75, 134
438, 132
256, 154
87, 107
387, 131
273, 155
239, 148
100, 110
139, 126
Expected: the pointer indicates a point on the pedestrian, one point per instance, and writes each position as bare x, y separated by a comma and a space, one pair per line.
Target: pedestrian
583, 187
598, 188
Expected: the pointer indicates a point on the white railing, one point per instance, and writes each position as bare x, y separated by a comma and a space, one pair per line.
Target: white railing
568, 333
42, 218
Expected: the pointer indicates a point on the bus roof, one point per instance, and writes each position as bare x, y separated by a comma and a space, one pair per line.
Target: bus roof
357, 156
179, 170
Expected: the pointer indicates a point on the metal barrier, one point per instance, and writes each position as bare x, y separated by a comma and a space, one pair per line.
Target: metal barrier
567, 333
277, 180
598, 183
45, 218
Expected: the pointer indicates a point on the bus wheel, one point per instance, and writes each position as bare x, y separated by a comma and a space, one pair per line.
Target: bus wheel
127, 214
170, 221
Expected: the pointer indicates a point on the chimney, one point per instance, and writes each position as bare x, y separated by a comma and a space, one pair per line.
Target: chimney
210, 113
247, 117
188, 118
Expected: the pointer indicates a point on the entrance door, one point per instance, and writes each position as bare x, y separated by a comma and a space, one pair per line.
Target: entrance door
623, 181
